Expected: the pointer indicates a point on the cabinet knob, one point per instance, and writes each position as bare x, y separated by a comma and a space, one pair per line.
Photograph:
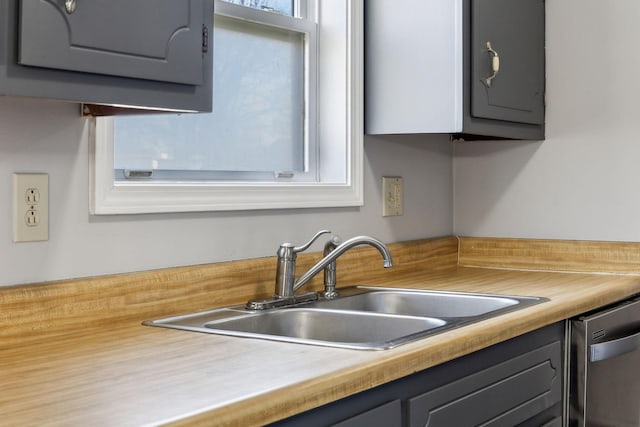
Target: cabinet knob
495, 65
70, 6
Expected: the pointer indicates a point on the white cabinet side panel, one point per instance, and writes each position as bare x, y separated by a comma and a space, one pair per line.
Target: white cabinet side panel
413, 72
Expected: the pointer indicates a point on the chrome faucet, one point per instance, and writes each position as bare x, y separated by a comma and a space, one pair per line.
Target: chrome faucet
331, 257
286, 285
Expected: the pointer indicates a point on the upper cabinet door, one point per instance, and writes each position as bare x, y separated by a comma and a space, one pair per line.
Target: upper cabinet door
507, 48
471, 68
148, 39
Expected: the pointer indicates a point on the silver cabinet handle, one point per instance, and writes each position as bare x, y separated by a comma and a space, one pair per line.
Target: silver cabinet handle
70, 6
495, 65
613, 348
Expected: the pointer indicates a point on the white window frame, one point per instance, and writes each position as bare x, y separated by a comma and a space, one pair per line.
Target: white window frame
340, 134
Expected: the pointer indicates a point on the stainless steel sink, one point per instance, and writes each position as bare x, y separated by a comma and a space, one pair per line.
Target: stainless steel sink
333, 328
411, 302
366, 318
349, 329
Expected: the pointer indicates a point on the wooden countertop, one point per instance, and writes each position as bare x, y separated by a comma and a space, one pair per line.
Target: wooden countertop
116, 372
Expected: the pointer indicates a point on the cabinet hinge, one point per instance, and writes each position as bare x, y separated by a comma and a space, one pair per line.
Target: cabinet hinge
205, 39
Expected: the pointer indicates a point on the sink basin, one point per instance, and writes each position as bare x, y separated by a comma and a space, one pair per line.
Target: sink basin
333, 328
363, 317
348, 329
410, 302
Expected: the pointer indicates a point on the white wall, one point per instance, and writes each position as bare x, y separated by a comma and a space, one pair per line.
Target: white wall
583, 181
45, 136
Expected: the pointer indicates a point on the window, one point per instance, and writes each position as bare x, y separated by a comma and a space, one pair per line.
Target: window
256, 151
284, 7
258, 130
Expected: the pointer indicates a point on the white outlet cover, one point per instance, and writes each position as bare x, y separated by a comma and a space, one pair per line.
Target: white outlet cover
30, 207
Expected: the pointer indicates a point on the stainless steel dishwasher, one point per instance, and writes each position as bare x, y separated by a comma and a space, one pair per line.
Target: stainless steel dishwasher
605, 367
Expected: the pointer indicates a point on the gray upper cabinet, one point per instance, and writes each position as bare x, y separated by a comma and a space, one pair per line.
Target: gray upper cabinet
147, 39
146, 53
511, 35
475, 69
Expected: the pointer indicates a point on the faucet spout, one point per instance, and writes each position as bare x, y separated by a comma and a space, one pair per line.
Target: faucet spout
339, 250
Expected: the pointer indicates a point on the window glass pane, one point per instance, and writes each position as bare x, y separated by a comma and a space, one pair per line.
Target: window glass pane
258, 118
284, 7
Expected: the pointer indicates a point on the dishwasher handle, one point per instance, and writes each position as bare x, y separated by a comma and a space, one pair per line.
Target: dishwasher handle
614, 348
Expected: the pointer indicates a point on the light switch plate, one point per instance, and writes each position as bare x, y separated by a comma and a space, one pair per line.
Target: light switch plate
30, 207
392, 196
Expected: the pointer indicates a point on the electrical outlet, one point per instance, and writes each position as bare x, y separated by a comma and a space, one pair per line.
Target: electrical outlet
30, 207
392, 197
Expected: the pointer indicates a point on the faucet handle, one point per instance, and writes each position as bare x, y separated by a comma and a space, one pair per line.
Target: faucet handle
310, 242
286, 269
330, 270
288, 251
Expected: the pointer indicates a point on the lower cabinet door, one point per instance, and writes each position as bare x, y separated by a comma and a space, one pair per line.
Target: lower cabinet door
556, 422
515, 383
505, 394
387, 415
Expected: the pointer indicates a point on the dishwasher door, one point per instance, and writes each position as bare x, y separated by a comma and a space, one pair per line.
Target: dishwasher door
605, 367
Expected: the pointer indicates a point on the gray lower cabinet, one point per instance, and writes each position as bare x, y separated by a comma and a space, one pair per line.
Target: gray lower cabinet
387, 415
505, 394
474, 69
147, 53
515, 383
556, 422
